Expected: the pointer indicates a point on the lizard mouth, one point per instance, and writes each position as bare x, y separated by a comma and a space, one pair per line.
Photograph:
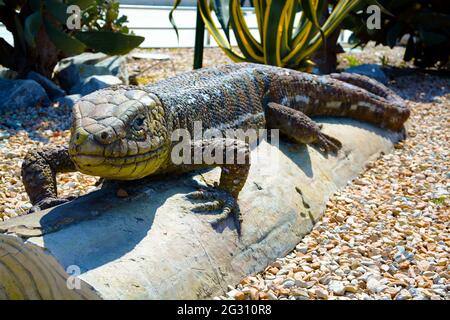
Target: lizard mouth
91, 160
122, 167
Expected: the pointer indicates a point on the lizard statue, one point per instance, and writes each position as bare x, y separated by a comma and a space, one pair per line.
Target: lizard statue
124, 132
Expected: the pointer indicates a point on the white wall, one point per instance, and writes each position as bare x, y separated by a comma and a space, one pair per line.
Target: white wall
152, 22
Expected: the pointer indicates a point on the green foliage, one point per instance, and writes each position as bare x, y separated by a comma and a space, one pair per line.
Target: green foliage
43, 34
104, 16
384, 60
353, 61
427, 22
285, 41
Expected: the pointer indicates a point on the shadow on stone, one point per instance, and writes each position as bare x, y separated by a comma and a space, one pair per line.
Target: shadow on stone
152, 246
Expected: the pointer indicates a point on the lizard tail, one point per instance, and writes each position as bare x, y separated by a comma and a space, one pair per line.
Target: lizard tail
368, 84
340, 95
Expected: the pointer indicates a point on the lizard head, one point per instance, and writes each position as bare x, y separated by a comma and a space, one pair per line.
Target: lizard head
119, 134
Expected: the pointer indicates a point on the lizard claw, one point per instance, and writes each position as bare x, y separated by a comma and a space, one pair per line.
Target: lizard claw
327, 143
48, 203
218, 200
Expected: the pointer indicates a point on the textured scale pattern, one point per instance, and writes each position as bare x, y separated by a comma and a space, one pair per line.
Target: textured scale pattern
123, 132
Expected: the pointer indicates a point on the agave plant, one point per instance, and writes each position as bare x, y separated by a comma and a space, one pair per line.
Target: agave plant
289, 30
42, 37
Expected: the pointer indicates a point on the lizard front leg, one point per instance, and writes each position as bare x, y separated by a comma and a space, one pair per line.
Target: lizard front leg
39, 170
299, 127
233, 156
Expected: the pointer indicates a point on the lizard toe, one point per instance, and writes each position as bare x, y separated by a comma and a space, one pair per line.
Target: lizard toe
219, 202
328, 144
208, 206
201, 195
228, 209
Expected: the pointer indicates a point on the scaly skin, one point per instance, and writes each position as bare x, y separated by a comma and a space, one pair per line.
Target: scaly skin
124, 132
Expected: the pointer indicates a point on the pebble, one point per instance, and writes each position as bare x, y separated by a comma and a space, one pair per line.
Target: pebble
337, 288
375, 286
272, 295
288, 283
122, 193
403, 295
301, 248
351, 288
239, 296
233, 293
321, 293
4, 135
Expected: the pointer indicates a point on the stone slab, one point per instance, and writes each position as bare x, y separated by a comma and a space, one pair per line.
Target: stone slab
151, 246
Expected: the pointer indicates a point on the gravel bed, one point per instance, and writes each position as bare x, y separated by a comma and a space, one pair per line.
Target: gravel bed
385, 236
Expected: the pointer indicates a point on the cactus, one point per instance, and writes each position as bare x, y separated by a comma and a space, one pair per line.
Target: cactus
284, 41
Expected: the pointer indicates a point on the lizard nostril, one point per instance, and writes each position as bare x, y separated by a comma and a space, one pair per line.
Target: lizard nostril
104, 137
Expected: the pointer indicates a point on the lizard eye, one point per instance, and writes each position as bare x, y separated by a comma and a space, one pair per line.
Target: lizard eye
138, 122
138, 128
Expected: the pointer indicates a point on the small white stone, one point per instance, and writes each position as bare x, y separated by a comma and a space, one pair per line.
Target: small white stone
301, 248
375, 286
232, 293
289, 283
321, 293
337, 287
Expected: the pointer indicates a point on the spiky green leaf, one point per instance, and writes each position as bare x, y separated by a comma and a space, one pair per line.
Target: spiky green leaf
272, 31
176, 3
222, 10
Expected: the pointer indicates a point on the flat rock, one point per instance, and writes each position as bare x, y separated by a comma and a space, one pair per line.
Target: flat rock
73, 71
150, 245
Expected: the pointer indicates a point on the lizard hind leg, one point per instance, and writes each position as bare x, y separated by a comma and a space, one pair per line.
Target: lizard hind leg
298, 126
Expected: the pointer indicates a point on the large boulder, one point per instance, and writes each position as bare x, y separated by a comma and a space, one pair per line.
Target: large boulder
53, 91
94, 83
150, 245
21, 93
72, 72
